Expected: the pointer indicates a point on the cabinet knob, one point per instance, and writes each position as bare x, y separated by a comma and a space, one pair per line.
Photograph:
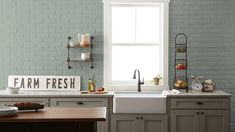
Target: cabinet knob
202, 113
80, 103
141, 118
137, 118
199, 103
198, 113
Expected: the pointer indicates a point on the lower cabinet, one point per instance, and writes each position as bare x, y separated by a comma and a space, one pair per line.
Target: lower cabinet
184, 121
138, 123
85, 102
199, 121
199, 114
214, 121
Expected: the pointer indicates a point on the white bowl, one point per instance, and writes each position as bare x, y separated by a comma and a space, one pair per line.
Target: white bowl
13, 90
6, 111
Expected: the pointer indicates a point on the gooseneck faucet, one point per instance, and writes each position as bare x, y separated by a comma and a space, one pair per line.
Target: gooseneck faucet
139, 82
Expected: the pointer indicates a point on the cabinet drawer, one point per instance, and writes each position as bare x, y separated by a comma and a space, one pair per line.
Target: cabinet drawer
199, 103
79, 102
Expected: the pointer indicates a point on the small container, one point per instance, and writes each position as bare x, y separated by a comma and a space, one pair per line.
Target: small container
85, 56
13, 90
208, 87
88, 38
85, 40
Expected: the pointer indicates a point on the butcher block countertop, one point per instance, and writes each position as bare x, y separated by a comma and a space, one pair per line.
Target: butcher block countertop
60, 114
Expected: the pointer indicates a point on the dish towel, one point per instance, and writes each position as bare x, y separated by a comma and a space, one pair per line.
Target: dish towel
169, 92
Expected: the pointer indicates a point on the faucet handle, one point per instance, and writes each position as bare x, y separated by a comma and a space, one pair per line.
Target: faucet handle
142, 81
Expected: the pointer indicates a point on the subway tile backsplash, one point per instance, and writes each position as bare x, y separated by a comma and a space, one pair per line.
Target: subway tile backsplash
33, 34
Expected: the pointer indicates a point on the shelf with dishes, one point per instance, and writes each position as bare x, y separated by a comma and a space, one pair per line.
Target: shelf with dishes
84, 42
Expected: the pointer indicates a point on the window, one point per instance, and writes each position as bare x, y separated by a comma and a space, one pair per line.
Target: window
135, 36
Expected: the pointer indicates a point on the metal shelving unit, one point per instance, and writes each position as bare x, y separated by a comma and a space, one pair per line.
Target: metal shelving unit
79, 59
181, 58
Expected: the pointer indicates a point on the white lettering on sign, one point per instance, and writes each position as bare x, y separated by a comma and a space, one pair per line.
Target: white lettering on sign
45, 82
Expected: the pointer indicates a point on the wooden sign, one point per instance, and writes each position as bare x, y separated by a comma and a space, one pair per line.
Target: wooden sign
45, 82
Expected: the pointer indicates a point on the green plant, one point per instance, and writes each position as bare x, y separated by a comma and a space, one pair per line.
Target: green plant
158, 76
156, 79
93, 79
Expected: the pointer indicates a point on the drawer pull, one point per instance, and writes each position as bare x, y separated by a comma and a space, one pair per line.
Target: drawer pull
202, 113
199, 103
80, 103
141, 118
137, 118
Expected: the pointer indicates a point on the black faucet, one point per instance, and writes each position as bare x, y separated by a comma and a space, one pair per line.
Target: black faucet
139, 82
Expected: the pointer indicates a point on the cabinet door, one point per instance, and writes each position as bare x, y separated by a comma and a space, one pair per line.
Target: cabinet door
214, 121
153, 123
11, 101
124, 123
184, 121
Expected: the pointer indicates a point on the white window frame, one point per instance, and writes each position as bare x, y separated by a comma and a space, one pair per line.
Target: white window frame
107, 4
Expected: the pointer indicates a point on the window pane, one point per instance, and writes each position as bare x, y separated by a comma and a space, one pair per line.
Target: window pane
125, 59
147, 24
123, 24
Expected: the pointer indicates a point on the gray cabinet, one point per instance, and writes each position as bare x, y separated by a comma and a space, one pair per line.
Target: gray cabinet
214, 121
85, 102
199, 114
153, 123
182, 121
139, 123
124, 123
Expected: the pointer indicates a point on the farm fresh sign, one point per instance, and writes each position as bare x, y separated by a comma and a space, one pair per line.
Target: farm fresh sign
45, 82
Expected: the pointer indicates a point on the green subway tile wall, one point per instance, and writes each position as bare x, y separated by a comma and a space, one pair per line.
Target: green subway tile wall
33, 34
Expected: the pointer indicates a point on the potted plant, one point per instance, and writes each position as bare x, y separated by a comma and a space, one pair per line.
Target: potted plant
156, 79
93, 82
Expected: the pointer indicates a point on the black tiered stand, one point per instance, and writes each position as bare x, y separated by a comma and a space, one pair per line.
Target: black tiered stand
181, 57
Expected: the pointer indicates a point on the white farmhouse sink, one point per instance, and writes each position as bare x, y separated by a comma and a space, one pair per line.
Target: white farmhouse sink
139, 102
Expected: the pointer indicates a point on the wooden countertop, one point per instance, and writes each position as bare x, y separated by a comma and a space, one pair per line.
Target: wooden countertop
60, 114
